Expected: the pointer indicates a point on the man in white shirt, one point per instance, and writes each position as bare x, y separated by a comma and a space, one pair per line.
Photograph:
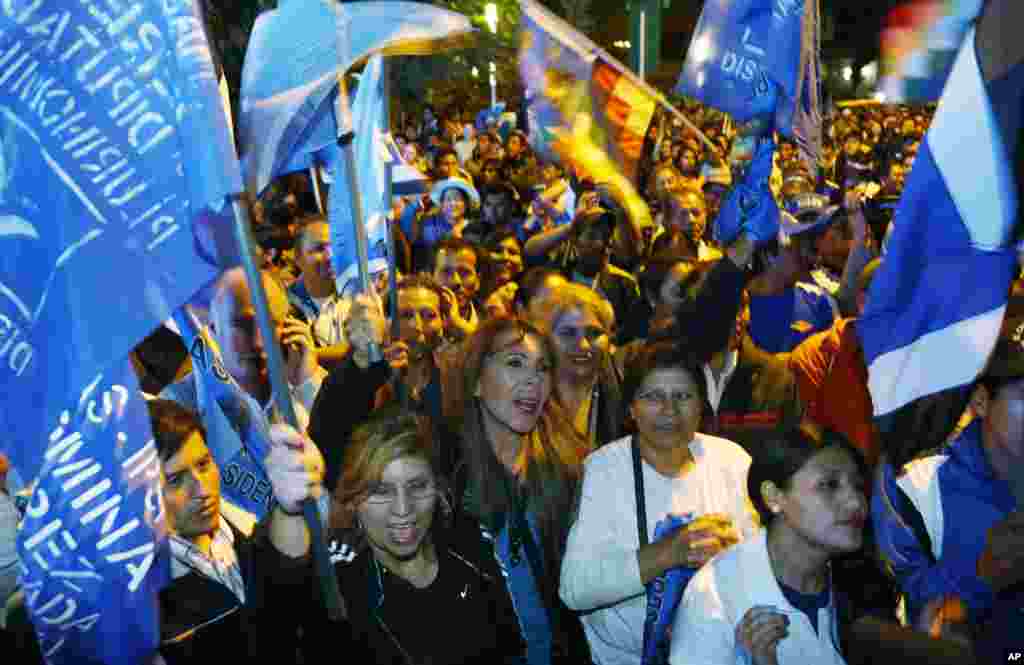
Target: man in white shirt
315, 293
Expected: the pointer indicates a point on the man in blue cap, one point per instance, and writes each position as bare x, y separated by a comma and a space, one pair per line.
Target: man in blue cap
785, 306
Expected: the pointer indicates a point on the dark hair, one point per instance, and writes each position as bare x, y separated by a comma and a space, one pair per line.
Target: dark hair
444, 151
661, 355
452, 246
499, 189
604, 220
782, 454
680, 244
658, 268
172, 425
493, 163
495, 238
531, 282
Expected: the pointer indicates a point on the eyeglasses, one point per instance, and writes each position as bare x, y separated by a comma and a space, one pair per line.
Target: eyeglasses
416, 491
663, 399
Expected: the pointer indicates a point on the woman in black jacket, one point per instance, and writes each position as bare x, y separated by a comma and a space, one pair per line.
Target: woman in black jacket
419, 587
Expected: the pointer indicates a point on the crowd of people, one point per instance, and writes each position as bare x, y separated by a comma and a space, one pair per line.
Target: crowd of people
504, 426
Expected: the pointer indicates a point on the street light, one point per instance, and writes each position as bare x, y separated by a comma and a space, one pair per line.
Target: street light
491, 17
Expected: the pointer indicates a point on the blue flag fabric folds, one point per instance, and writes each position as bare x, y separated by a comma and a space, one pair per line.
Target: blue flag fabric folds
115, 160
295, 55
742, 49
237, 430
114, 152
368, 118
663, 595
937, 302
93, 542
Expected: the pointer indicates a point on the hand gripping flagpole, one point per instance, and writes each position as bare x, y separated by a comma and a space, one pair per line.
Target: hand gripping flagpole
283, 400
346, 141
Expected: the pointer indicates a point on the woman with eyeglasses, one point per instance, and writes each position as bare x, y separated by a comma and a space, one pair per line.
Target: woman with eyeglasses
521, 462
630, 485
419, 587
771, 600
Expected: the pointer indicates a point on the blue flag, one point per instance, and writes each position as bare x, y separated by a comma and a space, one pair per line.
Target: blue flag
93, 545
237, 430
754, 57
368, 115
114, 161
663, 595
937, 301
295, 54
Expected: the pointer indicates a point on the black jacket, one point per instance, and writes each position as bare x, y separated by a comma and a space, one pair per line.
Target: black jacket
200, 619
570, 646
470, 615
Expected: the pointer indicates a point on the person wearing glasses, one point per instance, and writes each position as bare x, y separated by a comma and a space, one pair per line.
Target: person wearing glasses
418, 586
771, 600
630, 485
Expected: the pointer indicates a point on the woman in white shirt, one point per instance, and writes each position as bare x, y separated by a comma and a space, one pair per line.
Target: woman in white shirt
670, 468
770, 600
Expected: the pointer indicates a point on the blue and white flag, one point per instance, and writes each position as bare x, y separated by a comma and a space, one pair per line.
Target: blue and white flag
237, 430
93, 545
295, 55
937, 302
745, 53
368, 116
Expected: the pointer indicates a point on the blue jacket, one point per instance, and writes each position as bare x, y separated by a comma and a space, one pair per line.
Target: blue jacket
932, 519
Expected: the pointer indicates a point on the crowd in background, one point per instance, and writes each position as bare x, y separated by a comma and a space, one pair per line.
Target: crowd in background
555, 383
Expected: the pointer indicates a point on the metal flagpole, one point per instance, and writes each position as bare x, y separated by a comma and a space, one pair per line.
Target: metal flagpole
314, 177
641, 69
283, 400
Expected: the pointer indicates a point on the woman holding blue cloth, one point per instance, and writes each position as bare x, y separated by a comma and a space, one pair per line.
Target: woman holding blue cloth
631, 486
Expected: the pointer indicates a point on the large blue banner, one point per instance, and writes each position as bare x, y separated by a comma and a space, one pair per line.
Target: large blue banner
115, 159
92, 546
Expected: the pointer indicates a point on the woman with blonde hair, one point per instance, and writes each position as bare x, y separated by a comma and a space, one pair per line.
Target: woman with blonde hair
401, 559
521, 463
580, 324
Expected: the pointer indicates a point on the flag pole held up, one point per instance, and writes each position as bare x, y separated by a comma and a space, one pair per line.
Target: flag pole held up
346, 141
282, 399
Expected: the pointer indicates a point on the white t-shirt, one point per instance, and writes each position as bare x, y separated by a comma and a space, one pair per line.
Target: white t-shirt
600, 572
